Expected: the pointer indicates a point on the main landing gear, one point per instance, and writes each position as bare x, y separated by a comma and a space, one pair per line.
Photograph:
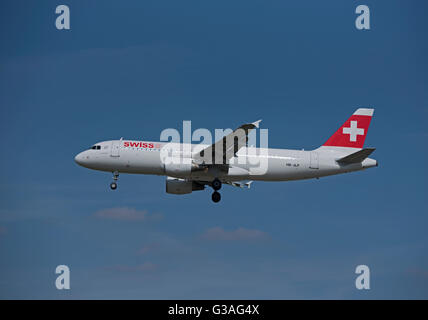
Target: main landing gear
113, 185
216, 197
216, 185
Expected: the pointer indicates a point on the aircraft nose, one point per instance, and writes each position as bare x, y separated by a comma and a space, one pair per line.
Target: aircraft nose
79, 159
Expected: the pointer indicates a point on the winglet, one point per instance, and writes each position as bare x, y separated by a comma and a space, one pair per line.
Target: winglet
257, 123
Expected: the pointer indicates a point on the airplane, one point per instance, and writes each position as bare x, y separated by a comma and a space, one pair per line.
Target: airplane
199, 166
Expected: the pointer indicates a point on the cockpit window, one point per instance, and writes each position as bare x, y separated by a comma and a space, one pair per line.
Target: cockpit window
95, 147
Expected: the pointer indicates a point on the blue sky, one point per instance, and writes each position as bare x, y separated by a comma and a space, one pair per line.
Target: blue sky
133, 68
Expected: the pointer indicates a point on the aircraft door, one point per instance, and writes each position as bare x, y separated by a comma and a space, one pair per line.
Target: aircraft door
115, 147
314, 160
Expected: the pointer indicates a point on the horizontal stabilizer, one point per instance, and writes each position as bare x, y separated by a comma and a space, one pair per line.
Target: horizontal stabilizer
356, 157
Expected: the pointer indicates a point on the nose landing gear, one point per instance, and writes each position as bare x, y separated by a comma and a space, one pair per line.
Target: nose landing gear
216, 185
113, 185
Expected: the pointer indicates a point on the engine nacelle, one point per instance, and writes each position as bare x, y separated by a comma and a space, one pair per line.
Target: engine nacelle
181, 186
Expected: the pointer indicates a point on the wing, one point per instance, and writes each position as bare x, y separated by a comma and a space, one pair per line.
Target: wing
221, 151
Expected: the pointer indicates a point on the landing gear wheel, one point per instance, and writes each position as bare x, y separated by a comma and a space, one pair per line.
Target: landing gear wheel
216, 184
113, 185
216, 197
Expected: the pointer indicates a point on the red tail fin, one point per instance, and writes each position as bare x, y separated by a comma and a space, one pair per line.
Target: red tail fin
353, 132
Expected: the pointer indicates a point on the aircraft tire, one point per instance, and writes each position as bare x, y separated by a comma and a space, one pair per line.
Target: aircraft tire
216, 184
216, 197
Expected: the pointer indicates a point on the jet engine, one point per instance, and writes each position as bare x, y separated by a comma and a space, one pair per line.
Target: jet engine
181, 186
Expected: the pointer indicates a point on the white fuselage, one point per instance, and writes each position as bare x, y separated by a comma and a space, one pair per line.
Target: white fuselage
144, 157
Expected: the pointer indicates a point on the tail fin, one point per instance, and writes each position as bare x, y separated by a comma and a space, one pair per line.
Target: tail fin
353, 132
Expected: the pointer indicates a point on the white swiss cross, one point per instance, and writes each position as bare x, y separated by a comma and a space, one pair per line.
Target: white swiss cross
353, 131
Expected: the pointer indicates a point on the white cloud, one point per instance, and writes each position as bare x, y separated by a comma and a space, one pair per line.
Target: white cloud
127, 214
148, 248
240, 234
